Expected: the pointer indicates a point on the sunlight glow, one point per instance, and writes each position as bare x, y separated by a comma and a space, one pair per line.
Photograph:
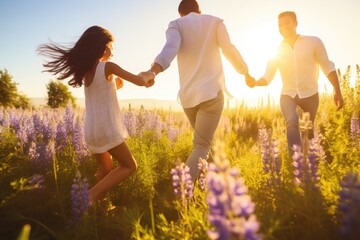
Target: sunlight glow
259, 44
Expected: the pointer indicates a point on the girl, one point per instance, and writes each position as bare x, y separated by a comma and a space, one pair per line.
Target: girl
86, 63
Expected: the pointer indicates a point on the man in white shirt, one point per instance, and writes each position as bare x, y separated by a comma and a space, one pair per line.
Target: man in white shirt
196, 39
298, 61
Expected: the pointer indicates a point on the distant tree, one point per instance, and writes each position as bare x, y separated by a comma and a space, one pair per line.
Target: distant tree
22, 101
9, 96
8, 89
59, 95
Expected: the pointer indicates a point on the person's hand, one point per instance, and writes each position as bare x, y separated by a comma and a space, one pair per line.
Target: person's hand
151, 82
339, 101
119, 82
250, 81
148, 78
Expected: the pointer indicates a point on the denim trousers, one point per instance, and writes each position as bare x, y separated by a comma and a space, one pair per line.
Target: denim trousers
204, 119
289, 111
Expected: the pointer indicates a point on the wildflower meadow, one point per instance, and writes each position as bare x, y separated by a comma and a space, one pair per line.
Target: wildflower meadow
249, 188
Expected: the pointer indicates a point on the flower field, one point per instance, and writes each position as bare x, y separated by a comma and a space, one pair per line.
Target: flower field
250, 188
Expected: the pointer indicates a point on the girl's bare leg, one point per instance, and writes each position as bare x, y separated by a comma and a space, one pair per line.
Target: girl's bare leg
127, 167
105, 165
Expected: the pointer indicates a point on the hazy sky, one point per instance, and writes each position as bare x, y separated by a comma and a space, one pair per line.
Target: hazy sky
139, 29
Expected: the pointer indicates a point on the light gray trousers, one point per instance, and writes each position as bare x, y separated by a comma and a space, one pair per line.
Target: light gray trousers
204, 119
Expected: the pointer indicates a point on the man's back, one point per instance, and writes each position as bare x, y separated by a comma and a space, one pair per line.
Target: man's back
198, 34
196, 40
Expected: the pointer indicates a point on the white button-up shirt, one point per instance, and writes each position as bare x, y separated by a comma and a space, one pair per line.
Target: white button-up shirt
299, 66
196, 40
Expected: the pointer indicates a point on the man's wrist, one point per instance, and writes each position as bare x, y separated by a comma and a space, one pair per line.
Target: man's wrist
157, 68
153, 72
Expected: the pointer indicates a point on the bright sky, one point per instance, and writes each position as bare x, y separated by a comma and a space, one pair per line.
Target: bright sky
139, 28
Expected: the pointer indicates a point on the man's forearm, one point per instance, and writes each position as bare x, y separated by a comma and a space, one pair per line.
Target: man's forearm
334, 80
261, 82
157, 68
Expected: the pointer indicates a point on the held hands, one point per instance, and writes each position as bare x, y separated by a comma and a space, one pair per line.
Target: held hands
250, 81
147, 78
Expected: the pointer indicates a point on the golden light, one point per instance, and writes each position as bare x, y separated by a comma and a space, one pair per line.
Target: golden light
259, 44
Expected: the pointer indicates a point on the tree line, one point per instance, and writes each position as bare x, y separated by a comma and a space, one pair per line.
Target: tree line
58, 94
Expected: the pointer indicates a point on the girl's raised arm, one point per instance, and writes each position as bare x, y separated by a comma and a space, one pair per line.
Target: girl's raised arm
140, 80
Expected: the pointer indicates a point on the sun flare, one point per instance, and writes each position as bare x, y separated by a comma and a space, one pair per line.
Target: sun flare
259, 44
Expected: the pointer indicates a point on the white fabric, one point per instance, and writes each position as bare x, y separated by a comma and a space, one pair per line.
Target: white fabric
196, 40
104, 122
299, 66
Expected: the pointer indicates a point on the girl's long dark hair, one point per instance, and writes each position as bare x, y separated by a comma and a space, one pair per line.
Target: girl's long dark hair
75, 62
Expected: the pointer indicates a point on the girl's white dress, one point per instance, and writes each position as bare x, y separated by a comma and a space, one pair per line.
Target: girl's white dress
104, 123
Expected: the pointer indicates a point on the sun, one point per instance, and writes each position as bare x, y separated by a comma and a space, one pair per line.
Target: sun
259, 45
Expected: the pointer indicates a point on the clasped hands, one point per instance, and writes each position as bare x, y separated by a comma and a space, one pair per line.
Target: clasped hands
250, 81
148, 78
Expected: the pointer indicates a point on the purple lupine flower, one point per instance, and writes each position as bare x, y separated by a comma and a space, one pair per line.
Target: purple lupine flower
154, 123
130, 123
349, 206
48, 131
37, 124
15, 120
203, 166
30, 130
299, 163
22, 136
39, 127
80, 201
172, 133
33, 153
182, 183
270, 156
314, 155
69, 118
231, 211
306, 163
140, 122
60, 137
78, 140
251, 225
42, 154
266, 156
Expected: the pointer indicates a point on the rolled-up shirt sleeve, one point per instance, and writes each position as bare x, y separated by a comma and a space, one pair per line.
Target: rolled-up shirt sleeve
171, 47
322, 58
231, 53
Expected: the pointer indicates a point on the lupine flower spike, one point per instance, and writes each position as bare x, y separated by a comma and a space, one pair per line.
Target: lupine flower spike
307, 157
182, 183
79, 197
231, 211
270, 157
349, 206
203, 166
306, 166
